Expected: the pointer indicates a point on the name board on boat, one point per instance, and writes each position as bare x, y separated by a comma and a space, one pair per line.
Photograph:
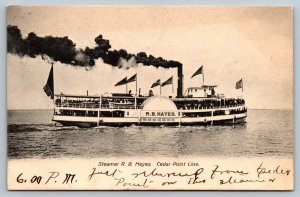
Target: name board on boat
160, 114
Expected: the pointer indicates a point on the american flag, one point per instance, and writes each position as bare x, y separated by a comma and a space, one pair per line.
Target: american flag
239, 84
49, 86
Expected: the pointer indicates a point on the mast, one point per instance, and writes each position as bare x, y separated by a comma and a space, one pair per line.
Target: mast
203, 75
172, 87
159, 89
52, 65
135, 102
52, 68
136, 86
100, 103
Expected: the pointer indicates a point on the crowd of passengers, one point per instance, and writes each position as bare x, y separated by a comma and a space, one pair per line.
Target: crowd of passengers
77, 113
95, 103
232, 111
215, 113
59, 101
121, 113
186, 104
104, 101
209, 103
89, 113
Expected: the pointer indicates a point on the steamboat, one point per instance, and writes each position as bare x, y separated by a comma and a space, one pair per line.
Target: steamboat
197, 106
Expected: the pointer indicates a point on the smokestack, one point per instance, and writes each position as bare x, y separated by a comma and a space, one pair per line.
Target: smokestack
180, 79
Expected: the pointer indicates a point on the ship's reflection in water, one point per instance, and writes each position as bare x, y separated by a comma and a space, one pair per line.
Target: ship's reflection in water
266, 133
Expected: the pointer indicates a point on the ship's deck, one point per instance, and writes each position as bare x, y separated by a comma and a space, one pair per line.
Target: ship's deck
93, 102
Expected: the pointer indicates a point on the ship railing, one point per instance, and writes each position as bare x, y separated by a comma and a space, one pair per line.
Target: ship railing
211, 107
78, 105
95, 106
109, 106
105, 106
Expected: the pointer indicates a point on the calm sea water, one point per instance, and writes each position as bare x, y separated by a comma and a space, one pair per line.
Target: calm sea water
31, 134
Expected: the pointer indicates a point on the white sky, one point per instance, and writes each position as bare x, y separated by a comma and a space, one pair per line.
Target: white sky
253, 43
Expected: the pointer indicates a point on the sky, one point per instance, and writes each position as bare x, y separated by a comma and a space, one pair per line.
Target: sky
252, 43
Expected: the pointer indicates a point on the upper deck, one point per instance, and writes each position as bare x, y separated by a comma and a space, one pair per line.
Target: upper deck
132, 102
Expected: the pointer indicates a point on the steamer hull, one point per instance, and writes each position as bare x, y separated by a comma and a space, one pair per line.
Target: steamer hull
114, 123
141, 117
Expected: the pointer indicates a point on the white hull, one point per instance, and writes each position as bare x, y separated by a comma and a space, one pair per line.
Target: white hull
140, 120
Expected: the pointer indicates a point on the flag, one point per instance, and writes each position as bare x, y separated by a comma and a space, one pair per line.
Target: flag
239, 84
169, 81
122, 82
49, 86
157, 83
198, 72
132, 79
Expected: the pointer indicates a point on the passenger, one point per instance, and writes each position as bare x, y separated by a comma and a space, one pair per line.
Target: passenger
150, 93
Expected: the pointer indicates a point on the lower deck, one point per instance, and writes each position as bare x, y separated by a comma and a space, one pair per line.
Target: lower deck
143, 118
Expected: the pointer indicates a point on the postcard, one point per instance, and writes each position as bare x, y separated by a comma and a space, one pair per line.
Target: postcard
150, 97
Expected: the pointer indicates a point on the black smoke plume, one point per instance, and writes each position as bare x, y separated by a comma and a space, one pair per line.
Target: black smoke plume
64, 50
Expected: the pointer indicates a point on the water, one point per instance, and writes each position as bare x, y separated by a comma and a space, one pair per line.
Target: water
31, 134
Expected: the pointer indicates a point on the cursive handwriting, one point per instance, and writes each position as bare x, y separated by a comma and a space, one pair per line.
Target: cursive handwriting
154, 173
233, 181
156, 177
217, 171
262, 170
123, 182
106, 173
